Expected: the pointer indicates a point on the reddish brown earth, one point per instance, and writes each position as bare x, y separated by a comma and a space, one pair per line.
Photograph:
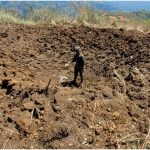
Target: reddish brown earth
111, 109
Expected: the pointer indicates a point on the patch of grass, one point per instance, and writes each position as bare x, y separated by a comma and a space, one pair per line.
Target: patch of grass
7, 17
81, 15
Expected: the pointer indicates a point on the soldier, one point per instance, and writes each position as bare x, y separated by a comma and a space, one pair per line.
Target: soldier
79, 66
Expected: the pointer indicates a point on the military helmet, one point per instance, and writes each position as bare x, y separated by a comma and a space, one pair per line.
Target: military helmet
77, 49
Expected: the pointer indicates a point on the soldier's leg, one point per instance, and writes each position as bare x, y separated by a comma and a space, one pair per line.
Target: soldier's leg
81, 75
75, 74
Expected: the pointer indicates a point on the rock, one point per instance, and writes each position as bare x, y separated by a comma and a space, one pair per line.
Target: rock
28, 105
108, 109
97, 131
24, 121
53, 133
111, 126
107, 92
116, 114
144, 70
14, 82
39, 99
53, 23
41, 128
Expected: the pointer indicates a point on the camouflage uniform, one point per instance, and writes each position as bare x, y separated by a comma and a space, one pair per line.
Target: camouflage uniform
79, 66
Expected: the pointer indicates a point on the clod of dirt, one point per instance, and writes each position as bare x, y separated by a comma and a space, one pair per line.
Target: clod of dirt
52, 134
6, 85
129, 77
9, 120
107, 92
39, 99
28, 105
23, 122
3, 35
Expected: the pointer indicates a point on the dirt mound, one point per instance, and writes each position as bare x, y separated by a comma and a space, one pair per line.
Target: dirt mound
110, 109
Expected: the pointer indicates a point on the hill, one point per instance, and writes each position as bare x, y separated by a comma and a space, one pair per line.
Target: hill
108, 6
125, 6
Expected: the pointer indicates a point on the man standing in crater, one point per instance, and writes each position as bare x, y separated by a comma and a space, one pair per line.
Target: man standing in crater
79, 64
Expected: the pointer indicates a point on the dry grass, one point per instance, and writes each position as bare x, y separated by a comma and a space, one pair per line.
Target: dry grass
7, 17
85, 16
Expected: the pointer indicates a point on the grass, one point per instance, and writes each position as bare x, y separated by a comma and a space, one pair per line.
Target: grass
85, 16
7, 17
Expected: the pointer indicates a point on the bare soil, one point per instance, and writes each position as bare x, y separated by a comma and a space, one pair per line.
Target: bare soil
111, 108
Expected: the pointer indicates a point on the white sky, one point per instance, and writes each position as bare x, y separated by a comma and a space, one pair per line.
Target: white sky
74, 0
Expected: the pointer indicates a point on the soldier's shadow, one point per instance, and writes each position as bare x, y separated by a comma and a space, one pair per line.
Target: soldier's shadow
70, 84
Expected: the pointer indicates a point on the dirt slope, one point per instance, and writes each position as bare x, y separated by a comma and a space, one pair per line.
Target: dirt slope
110, 109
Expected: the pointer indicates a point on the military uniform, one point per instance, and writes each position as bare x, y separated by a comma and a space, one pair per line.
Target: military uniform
79, 66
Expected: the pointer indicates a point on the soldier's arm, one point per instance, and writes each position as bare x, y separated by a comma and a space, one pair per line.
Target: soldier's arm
74, 58
83, 58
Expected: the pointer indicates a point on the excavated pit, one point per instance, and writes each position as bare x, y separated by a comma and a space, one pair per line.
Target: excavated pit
110, 109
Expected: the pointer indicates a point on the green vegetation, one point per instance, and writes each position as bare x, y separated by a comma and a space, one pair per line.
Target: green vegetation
80, 14
7, 16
